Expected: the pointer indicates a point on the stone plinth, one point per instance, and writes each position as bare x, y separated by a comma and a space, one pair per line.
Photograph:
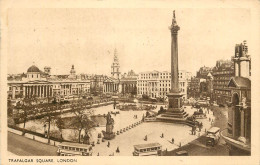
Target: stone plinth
175, 112
108, 135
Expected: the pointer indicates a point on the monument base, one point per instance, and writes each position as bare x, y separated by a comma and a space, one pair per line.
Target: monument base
108, 136
175, 112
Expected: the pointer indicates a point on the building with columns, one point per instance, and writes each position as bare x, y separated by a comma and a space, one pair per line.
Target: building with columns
238, 137
111, 86
35, 84
128, 83
115, 67
157, 84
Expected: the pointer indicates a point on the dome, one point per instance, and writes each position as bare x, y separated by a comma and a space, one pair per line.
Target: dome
33, 68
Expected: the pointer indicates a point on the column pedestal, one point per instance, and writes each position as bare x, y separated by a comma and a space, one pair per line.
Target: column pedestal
175, 112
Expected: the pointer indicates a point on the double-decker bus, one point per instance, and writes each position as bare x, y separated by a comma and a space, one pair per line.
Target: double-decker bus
74, 149
150, 149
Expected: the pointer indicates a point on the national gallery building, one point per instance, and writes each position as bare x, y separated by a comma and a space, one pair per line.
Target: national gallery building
36, 83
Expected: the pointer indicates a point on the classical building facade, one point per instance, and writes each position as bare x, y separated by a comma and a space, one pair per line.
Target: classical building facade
157, 84
111, 86
36, 84
128, 83
238, 137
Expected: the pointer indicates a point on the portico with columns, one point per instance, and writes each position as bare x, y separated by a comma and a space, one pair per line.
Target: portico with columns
41, 87
110, 86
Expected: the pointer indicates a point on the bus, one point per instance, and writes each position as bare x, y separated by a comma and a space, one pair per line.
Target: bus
150, 149
74, 149
213, 136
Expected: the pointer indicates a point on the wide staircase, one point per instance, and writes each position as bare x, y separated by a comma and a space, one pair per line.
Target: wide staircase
179, 116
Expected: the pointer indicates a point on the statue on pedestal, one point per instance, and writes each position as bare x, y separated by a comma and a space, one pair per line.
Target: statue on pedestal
109, 134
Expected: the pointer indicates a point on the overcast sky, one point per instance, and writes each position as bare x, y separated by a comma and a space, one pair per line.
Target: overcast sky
87, 38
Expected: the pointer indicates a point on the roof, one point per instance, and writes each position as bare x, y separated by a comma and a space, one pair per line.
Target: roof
148, 145
33, 68
239, 82
74, 145
213, 129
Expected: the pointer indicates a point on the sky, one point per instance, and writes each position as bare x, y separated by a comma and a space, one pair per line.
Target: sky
87, 38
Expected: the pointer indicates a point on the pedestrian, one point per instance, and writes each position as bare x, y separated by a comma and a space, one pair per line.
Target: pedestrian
117, 150
172, 140
145, 138
98, 154
162, 135
108, 144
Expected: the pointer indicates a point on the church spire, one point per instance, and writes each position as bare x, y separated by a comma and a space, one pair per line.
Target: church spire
115, 56
115, 67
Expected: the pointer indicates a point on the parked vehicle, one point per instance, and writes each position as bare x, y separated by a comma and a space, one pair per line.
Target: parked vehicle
213, 136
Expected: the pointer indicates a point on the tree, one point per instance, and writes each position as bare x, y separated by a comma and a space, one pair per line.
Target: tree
10, 108
50, 116
82, 120
24, 116
60, 124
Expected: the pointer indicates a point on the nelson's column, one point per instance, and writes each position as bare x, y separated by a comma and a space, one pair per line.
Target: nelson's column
175, 111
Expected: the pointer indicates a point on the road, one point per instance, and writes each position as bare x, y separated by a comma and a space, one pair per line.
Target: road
23, 146
198, 147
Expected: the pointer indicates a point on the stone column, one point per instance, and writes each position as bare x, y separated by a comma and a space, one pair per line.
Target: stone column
45, 90
40, 91
36, 93
29, 91
51, 91
23, 91
242, 132
26, 91
13, 92
48, 90
33, 88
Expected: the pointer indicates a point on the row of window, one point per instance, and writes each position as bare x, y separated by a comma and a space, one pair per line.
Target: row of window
74, 149
32, 75
180, 83
162, 77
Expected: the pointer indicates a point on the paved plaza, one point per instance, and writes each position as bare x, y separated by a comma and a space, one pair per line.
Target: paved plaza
125, 141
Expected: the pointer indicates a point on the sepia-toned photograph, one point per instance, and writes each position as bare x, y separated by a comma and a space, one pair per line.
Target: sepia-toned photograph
128, 82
